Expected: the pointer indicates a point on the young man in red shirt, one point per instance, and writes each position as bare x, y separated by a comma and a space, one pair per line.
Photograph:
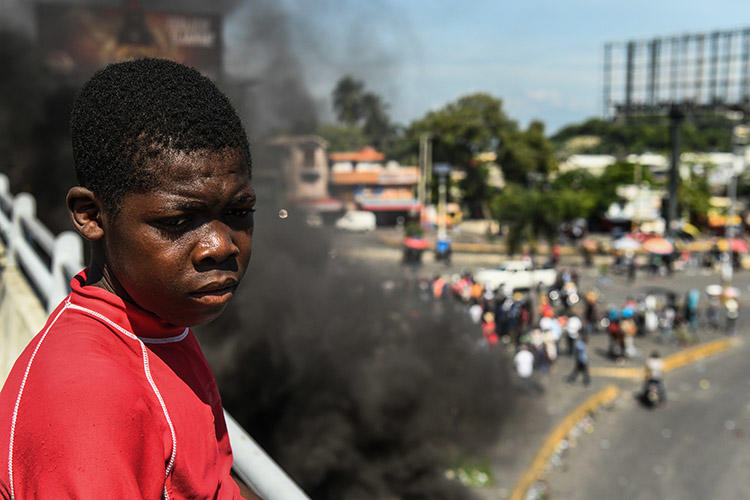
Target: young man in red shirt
113, 398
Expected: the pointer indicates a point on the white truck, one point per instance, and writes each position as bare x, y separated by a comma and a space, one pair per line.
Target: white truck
515, 274
357, 220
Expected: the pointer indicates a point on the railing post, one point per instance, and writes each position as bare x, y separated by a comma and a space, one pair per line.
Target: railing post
68, 251
24, 206
4, 186
6, 200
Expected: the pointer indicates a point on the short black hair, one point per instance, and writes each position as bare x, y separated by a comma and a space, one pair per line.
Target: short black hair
132, 112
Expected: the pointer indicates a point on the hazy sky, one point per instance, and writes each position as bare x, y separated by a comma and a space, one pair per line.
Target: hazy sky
542, 57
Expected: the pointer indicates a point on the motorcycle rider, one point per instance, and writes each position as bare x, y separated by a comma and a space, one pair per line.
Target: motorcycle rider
655, 375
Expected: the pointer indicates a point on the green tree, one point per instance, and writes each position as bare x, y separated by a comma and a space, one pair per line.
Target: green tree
527, 155
459, 130
362, 110
474, 123
347, 100
694, 194
377, 125
528, 214
705, 132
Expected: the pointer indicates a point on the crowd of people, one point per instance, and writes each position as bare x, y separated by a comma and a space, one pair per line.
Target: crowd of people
543, 324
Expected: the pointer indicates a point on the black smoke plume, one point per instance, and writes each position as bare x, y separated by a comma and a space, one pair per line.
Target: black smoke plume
35, 149
352, 380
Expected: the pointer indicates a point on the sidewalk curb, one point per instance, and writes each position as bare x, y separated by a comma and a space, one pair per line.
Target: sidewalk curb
494, 248
532, 473
672, 362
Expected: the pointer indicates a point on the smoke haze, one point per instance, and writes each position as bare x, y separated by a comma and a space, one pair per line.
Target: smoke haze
359, 388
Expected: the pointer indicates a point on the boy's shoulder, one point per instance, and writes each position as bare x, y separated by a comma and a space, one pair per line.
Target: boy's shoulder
77, 361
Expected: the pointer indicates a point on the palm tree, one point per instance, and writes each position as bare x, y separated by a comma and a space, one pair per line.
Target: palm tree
347, 100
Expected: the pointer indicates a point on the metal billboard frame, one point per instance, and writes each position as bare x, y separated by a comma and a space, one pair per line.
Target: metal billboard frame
699, 72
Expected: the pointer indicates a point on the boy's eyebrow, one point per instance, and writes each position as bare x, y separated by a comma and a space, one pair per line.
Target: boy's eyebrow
185, 205
191, 205
245, 197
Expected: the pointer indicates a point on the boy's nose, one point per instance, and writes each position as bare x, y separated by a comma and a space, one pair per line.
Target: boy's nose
216, 245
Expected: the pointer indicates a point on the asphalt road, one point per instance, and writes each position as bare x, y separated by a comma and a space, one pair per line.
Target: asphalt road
695, 448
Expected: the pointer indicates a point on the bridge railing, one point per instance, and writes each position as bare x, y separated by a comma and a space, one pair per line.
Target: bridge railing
49, 263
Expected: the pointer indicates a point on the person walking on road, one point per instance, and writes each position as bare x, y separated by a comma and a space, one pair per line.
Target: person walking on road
733, 312
655, 375
581, 361
572, 332
523, 361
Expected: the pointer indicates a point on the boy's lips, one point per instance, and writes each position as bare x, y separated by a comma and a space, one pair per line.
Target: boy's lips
216, 292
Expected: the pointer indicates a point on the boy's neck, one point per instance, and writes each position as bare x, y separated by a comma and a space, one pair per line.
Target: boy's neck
100, 276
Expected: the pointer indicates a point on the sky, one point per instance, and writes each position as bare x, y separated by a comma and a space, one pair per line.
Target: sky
542, 57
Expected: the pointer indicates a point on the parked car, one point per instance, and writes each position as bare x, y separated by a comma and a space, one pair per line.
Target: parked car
357, 220
516, 274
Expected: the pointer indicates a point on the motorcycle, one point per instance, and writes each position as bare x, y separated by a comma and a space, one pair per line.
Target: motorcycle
651, 396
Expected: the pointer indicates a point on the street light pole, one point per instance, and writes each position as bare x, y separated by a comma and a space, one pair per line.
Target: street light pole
740, 136
425, 171
676, 115
442, 232
422, 177
443, 170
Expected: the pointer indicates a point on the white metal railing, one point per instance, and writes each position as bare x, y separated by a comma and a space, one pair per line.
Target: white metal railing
257, 469
24, 237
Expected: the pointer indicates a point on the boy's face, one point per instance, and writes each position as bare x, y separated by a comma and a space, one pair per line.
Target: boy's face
180, 250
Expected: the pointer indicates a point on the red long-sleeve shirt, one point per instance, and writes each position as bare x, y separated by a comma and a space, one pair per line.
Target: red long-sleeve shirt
108, 401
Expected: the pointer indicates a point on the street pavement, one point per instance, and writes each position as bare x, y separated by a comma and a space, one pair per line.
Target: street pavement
693, 448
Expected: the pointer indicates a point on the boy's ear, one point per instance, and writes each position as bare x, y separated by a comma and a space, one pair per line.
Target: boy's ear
85, 212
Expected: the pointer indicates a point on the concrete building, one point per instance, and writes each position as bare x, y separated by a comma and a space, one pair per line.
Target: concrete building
361, 180
303, 164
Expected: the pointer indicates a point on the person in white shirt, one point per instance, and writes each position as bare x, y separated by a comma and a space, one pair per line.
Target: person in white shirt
655, 375
572, 330
475, 312
524, 364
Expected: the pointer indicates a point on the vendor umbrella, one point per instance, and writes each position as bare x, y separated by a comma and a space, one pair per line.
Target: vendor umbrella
691, 229
416, 243
731, 292
659, 246
626, 243
739, 245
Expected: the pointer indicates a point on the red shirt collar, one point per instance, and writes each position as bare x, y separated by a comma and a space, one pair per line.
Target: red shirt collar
131, 317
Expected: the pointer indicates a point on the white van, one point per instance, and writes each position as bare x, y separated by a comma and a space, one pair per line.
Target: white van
357, 220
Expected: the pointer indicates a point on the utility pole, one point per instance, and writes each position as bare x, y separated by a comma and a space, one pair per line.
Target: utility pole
425, 169
676, 115
442, 170
740, 136
428, 166
422, 178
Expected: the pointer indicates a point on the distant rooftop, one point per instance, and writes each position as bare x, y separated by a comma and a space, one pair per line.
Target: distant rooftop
366, 154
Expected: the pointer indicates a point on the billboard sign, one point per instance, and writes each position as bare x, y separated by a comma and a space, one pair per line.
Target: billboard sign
697, 70
77, 40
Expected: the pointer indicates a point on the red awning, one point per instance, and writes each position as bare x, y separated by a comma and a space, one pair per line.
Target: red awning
366, 154
320, 204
